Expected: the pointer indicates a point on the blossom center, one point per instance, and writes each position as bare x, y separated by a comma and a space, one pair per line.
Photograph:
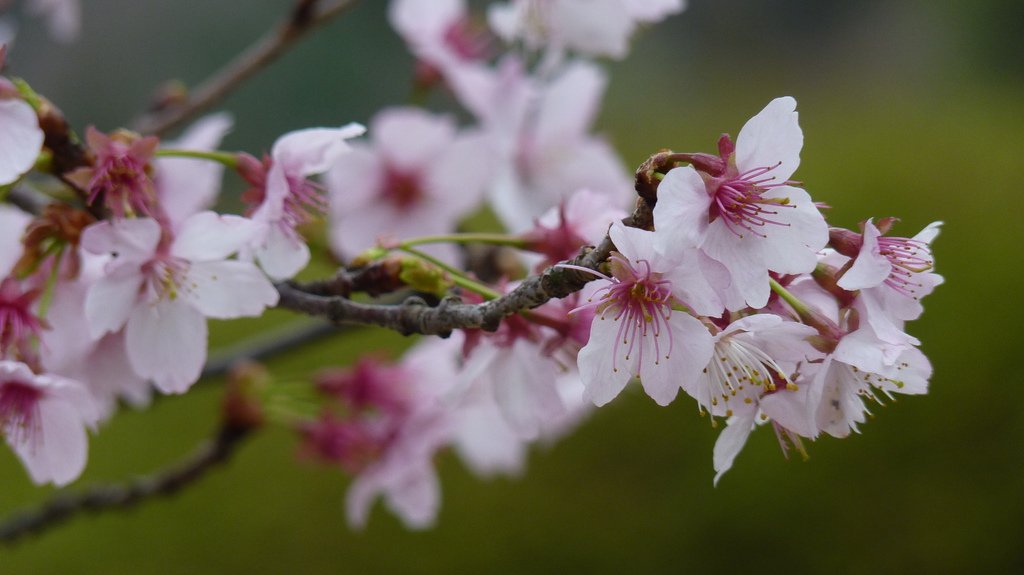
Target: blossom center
738, 200
402, 188
17, 322
641, 301
908, 257
19, 411
166, 277
739, 369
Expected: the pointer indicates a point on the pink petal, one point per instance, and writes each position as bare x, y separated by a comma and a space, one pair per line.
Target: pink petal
59, 452
20, 139
228, 289
134, 241
771, 137
166, 343
870, 268
110, 301
681, 214
569, 104
12, 224
186, 186
663, 372
208, 236
410, 138
602, 382
731, 441
313, 150
281, 255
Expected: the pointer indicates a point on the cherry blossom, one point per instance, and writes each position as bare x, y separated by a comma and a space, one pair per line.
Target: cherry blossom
418, 176
637, 332
162, 290
741, 209
44, 419
284, 199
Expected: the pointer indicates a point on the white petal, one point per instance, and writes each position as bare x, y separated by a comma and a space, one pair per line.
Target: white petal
20, 139
166, 343
771, 137
60, 449
744, 258
677, 360
569, 104
870, 268
281, 255
792, 248
208, 236
12, 224
731, 441
110, 301
603, 375
681, 214
228, 289
132, 242
416, 497
313, 150
186, 185
411, 138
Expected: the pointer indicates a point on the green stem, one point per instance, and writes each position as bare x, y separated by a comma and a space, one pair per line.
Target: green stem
798, 304
229, 159
492, 239
456, 274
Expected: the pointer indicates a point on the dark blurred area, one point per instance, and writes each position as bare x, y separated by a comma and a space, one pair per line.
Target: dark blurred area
913, 109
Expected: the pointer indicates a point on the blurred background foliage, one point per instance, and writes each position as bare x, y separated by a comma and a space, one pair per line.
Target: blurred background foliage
909, 108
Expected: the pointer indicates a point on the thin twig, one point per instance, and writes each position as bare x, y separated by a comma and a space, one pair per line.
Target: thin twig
305, 17
163, 483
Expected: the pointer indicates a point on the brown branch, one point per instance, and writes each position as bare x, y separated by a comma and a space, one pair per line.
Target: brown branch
163, 483
306, 16
415, 316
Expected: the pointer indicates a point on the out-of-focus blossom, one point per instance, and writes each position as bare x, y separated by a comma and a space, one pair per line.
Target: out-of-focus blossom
185, 186
20, 137
418, 176
590, 27
582, 219
44, 420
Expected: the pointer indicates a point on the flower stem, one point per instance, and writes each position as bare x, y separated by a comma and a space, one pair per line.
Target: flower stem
229, 159
492, 239
457, 275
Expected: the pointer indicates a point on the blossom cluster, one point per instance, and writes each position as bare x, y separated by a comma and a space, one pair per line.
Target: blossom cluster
740, 294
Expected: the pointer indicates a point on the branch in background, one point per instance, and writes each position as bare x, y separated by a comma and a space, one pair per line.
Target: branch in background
164, 483
306, 16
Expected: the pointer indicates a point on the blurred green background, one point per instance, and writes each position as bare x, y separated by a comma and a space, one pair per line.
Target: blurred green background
914, 109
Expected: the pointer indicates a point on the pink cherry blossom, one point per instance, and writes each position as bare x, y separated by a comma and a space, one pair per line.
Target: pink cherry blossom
439, 32
582, 219
892, 275
285, 198
542, 131
742, 211
418, 176
120, 174
20, 139
162, 290
43, 418
637, 331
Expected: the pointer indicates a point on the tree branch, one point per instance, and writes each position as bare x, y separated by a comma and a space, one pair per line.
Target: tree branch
415, 316
306, 16
163, 483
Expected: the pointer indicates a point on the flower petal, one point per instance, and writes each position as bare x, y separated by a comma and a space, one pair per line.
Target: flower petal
228, 289
166, 343
772, 137
20, 139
